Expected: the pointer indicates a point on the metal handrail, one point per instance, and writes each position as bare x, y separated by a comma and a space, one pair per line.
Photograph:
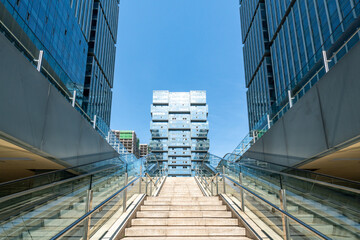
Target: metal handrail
308, 227
357, 191
90, 213
53, 172
19, 194
297, 169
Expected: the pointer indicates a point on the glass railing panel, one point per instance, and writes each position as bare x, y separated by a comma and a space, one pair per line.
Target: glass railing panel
298, 231
21, 185
47, 210
325, 208
107, 183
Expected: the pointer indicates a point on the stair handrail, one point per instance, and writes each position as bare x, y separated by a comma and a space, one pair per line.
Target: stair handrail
289, 167
90, 213
101, 205
308, 227
340, 187
32, 190
57, 171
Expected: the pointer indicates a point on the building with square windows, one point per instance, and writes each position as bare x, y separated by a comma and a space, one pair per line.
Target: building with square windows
129, 140
179, 130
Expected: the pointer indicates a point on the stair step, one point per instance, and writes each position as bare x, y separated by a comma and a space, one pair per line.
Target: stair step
184, 231
184, 203
185, 222
184, 208
183, 214
183, 199
187, 238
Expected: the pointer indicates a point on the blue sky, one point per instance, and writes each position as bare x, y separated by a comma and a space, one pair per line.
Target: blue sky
181, 45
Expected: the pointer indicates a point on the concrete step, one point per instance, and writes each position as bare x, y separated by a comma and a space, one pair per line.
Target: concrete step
185, 203
184, 208
187, 238
185, 222
183, 199
184, 231
183, 214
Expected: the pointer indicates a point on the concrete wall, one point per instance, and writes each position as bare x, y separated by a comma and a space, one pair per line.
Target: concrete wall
34, 115
325, 118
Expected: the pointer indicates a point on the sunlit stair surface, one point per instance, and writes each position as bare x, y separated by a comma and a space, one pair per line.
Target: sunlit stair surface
181, 211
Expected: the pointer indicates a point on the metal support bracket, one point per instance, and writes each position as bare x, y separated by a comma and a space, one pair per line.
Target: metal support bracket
326, 61
73, 99
290, 98
39, 61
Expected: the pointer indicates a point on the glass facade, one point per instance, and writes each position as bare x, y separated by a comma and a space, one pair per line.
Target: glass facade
294, 34
100, 65
179, 130
60, 28
78, 39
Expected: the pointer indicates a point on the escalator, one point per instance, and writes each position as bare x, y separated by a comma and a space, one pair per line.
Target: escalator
286, 203
41, 206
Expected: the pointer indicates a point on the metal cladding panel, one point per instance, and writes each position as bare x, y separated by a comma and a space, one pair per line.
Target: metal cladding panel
36, 116
304, 130
276, 150
340, 99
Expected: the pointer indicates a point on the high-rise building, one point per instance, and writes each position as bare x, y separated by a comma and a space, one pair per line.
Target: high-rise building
283, 44
59, 28
100, 64
129, 141
144, 150
179, 130
77, 39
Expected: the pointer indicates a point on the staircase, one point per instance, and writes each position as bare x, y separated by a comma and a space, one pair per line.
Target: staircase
182, 212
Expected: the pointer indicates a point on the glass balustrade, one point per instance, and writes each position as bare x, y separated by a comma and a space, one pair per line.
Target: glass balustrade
43, 206
287, 205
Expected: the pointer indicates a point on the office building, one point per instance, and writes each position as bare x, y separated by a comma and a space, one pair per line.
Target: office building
129, 141
144, 150
78, 42
100, 64
60, 29
283, 44
179, 129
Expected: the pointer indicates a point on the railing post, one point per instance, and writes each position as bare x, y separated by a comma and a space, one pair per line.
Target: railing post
326, 61
73, 99
290, 98
125, 192
94, 122
211, 187
88, 206
283, 207
224, 179
241, 192
217, 184
151, 183
39, 61
140, 179
146, 184
268, 121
